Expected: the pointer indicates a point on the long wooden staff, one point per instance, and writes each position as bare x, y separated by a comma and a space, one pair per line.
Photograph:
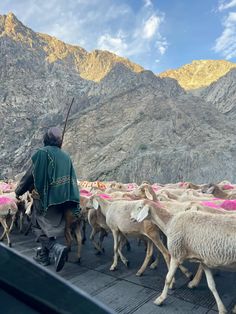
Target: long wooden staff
68, 112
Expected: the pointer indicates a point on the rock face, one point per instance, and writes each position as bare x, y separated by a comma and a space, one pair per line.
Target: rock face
223, 94
199, 73
126, 124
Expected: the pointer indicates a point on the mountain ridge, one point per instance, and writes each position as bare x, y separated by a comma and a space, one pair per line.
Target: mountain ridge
199, 73
56, 50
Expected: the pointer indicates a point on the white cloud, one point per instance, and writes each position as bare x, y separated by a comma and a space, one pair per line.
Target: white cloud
226, 43
147, 3
223, 5
151, 26
115, 44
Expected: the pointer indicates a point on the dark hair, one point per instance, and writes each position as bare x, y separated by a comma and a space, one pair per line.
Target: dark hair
53, 137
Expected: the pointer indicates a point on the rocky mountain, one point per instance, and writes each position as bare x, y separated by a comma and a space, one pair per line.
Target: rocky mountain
126, 124
199, 73
91, 66
222, 94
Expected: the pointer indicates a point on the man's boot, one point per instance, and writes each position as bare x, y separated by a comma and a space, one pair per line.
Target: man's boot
42, 256
59, 255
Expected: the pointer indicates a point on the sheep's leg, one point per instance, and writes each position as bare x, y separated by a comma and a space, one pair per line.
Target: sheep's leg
68, 237
121, 241
115, 260
21, 222
79, 240
185, 271
158, 243
83, 231
156, 261
6, 230
102, 235
169, 279
91, 237
148, 256
128, 246
198, 276
234, 309
13, 218
212, 287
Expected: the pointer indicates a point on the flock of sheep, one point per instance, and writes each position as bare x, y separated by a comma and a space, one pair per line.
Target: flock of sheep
198, 221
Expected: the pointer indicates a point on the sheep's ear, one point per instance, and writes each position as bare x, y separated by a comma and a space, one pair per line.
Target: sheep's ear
139, 213
95, 203
148, 194
210, 190
143, 213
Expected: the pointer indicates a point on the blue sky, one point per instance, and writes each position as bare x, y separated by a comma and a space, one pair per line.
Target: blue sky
157, 34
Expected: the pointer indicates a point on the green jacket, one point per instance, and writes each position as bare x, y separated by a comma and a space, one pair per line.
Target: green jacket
54, 177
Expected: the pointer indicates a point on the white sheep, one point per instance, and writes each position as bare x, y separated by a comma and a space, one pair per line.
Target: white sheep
117, 215
209, 239
8, 208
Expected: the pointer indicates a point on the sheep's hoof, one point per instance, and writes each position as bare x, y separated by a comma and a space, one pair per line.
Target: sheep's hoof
189, 275
139, 274
78, 261
103, 250
191, 285
159, 301
69, 249
83, 241
112, 268
10, 245
153, 265
127, 264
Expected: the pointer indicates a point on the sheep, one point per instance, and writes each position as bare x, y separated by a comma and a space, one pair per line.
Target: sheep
117, 215
209, 239
8, 208
217, 192
98, 223
74, 224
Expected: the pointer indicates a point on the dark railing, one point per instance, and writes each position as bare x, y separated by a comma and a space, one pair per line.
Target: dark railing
26, 288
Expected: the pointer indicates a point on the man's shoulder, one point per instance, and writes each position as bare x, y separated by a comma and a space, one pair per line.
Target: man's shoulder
39, 151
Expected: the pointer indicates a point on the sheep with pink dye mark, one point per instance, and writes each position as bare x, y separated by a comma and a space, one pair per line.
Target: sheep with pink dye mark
8, 208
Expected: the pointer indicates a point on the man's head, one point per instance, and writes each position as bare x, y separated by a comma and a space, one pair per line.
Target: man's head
53, 137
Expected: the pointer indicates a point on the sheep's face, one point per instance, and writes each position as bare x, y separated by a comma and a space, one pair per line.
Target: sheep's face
208, 189
145, 191
139, 213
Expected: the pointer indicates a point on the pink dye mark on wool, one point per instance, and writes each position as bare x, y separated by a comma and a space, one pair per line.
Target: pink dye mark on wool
229, 205
210, 204
85, 194
131, 186
183, 184
105, 196
227, 187
5, 187
155, 188
6, 200
83, 191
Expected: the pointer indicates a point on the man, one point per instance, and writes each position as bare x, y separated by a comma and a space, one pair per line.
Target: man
52, 181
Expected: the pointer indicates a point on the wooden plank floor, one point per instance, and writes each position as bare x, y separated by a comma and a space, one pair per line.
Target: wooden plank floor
126, 293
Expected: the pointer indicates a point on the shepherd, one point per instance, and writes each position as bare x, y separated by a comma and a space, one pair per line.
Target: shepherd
52, 182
